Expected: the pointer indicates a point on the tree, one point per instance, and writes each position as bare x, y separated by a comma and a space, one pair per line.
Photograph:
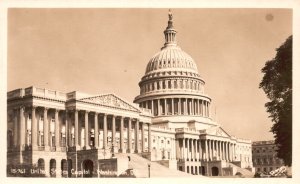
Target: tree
277, 84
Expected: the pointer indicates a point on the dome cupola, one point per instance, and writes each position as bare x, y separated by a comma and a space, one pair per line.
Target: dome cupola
172, 85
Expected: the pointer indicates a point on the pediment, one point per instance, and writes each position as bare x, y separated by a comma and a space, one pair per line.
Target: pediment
217, 131
110, 100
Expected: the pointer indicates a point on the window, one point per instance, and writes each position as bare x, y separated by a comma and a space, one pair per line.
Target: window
162, 141
168, 142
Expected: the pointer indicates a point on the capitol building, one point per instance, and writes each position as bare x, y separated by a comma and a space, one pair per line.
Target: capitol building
167, 128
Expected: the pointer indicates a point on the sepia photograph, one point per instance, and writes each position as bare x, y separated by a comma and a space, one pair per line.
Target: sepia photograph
139, 92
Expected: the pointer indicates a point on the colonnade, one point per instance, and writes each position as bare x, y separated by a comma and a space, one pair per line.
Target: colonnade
63, 129
171, 84
207, 150
178, 106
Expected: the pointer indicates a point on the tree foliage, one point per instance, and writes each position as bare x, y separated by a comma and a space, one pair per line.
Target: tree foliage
277, 84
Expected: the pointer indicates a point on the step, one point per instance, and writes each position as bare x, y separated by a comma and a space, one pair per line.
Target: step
140, 168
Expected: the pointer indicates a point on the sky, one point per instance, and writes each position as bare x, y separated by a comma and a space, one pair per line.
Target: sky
102, 50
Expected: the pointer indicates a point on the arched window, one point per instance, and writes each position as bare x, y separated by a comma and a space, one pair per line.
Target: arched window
41, 164
52, 168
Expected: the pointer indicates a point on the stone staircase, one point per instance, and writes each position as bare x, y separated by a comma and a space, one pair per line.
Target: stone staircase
244, 172
140, 168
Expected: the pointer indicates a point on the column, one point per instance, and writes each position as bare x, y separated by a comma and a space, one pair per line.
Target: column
188, 150
221, 151
226, 151
149, 138
142, 137
96, 135
206, 150
185, 106
230, 151
213, 149
76, 128
204, 108
197, 104
201, 108
218, 150
166, 107
57, 131
233, 152
70, 124
177, 157
104, 131
200, 150
86, 129
208, 110
129, 136
225, 155
158, 107
229, 155
16, 128
136, 136
196, 150
172, 105
210, 149
192, 107
179, 105
22, 129
46, 129
67, 129
34, 130
113, 132
122, 135
152, 107
192, 150
183, 149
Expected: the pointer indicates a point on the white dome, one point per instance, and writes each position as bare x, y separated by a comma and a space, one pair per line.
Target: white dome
171, 58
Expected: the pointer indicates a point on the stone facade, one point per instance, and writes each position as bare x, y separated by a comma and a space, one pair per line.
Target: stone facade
169, 123
264, 156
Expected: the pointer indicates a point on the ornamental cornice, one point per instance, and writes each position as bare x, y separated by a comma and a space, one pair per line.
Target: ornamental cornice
153, 79
169, 94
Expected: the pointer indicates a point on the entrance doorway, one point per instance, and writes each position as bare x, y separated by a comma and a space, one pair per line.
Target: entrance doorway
88, 168
214, 171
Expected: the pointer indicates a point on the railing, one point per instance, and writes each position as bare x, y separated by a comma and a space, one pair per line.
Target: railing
46, 93
187, 130
15, 93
